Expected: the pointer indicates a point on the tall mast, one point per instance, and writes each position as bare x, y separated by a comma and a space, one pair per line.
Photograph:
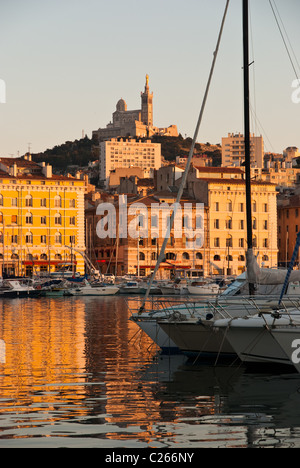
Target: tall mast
247, 128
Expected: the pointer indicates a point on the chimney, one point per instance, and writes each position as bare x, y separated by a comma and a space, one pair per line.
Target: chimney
47, 171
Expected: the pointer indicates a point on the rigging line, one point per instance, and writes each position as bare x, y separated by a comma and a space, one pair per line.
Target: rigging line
295, 57
185, 174
253, 69
284, 41
262, 128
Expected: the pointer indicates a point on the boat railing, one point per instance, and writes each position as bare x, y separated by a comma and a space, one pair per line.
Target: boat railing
182, 307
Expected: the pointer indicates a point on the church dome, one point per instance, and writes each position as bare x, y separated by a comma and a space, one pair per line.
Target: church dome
121, 105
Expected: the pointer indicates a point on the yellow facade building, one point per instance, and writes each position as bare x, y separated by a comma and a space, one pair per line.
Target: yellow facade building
41, 219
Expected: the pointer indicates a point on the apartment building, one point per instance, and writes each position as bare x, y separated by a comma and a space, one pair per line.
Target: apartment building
288, 228
138, 254
120, 153
41, 219
233, 150
226, 224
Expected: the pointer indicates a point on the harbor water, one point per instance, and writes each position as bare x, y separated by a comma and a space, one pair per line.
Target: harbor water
76, 372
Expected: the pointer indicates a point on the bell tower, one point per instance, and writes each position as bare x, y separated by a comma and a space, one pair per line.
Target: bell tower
147, 105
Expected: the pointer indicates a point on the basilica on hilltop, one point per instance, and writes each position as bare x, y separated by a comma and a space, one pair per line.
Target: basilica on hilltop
134, 123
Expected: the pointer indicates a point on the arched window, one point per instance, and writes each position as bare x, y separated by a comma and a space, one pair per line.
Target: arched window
217, 258
57, 219
28, 200
154, 256
57, 257
199, 256
29, 257
57, 238
229, 205
185, 256
29, 238
43, 256
29, 218
15, 257
241, 258
170, 256
57, 201
265, 258
142, 256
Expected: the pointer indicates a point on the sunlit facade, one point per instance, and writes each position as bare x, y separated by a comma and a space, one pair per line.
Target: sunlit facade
41, 219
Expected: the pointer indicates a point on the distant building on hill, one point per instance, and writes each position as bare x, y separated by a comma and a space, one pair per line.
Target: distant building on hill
134, 123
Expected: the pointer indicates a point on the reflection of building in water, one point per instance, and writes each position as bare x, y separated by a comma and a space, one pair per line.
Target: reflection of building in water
45, 343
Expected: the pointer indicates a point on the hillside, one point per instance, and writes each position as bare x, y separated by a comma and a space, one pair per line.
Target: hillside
80, 152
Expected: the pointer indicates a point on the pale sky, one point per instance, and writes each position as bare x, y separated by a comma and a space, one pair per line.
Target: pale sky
66, 63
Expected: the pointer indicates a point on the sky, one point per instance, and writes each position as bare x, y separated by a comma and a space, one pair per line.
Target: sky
66, 63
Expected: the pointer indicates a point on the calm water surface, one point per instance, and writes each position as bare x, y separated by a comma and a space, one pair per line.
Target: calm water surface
78, 373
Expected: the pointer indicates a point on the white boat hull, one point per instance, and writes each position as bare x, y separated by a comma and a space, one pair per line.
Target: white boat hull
253, 341
100, 291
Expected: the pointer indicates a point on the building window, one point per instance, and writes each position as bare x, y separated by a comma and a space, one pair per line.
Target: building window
217, 224
29, 238
43, 239
72, 203
57, 201
228, 223
1, 217
57, 218
185, 256
14, 219
29, 218
14, 239
72, 239
43, 219
217, 242
14, 202
1, 199
229, 242
229, 205
28, 200
43, 202
265, 224
241, 243
72, 221
265, 243
57, 238
170, 256
142, 256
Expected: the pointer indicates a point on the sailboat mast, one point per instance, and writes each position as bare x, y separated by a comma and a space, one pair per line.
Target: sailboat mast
247, 128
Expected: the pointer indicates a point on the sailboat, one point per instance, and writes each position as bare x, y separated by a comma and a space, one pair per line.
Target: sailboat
199, 329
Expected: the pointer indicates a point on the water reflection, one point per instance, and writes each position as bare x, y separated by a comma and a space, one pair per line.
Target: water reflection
77, 372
